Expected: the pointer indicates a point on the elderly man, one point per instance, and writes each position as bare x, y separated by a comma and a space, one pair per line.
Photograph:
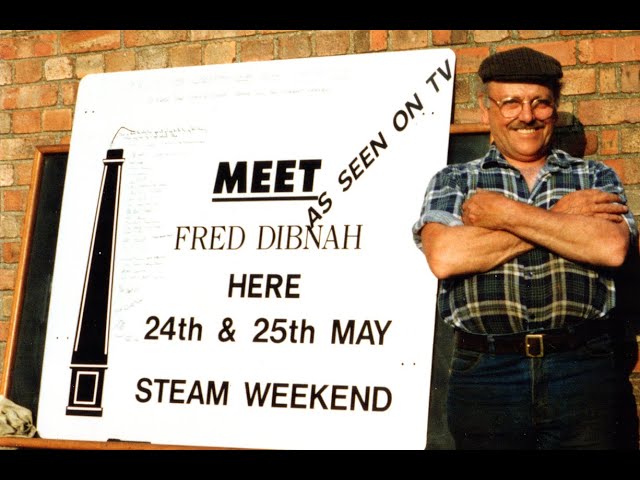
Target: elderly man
526, 241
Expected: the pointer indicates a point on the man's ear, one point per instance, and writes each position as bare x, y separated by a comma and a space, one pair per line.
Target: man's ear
484, 111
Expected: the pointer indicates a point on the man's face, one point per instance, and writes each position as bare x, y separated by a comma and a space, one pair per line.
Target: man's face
524, 137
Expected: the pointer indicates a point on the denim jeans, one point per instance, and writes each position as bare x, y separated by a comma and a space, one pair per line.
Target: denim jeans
579, 399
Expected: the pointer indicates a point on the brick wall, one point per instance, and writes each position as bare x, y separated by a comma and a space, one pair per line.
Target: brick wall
40, 71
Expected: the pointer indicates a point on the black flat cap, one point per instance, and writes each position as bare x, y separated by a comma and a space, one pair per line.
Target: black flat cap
522, 65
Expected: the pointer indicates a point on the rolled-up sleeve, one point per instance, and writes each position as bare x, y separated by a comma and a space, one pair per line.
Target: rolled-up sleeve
606, 179
442, 202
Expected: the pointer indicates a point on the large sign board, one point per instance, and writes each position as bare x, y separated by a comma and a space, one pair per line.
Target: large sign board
235, 266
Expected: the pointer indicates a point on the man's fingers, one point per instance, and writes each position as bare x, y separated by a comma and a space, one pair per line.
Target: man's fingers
603, 197
610, 217
612, 208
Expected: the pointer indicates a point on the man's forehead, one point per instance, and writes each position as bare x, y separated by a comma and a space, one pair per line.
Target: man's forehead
513, 89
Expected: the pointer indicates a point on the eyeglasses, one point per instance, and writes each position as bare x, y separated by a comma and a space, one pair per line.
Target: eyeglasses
542, 108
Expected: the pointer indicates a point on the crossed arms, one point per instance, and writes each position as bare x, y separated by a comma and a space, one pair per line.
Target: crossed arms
583, 226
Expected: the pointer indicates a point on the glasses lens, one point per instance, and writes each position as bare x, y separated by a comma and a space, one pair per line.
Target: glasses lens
510, 107
542, 108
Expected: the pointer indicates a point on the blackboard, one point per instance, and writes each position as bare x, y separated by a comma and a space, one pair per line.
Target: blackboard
465, 143
25, 345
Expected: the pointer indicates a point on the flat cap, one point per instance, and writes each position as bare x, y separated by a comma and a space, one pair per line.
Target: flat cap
522, 65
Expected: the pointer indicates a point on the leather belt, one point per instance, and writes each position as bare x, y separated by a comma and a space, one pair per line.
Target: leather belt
534, 344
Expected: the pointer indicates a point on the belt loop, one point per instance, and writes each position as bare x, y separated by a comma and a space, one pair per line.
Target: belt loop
491, 344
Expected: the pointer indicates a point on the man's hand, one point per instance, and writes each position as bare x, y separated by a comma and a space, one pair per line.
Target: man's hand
592, 202
486, 209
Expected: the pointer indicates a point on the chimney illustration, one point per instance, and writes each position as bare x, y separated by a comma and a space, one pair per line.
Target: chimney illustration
91, 345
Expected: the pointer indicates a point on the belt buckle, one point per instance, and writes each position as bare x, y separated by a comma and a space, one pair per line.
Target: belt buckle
534, 345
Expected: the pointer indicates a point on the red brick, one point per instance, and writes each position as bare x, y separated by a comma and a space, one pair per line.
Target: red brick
12, 48
255, 50
139, 38
25, 121
185, 55
579, 81
7, 278
631, 171
575, 32
30, 96
408, 39
464, 115
630, 139
332, 43
628, 169
630, 79
449, 37
16, 148
27, 71
152, 57
22, 172
468, 60
441, 37
220, 53
120, 61
529, 34
608, 50
69, 92
463, 90
57, 120
486, 36
199, 35
294, 46
4, 331
83, 41
609, 111
11, 252
14, 200
608, 82
88, 64
379, 40
365, 41
7, 305
609, 142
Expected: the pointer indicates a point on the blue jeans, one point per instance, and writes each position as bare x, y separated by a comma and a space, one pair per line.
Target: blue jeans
580, 399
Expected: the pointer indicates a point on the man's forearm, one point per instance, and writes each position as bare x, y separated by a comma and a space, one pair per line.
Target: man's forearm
579, 238
462, 250
582, 238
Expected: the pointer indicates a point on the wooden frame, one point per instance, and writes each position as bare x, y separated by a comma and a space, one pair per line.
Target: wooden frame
25, 252
468, 128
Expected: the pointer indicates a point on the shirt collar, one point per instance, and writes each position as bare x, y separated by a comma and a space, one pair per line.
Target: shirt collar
556, 159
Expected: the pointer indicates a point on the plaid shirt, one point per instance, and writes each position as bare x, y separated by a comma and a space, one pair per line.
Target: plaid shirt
537, 289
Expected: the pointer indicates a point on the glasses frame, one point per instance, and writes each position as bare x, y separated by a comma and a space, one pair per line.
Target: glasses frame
532, 104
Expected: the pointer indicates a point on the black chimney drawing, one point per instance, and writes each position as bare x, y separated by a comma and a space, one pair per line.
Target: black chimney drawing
91, 345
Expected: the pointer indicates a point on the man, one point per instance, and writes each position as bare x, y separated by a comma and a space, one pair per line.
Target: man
526, 242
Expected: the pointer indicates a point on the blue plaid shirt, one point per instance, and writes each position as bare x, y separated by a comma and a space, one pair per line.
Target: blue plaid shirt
537, 289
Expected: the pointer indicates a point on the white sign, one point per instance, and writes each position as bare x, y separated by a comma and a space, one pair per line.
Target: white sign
235, 265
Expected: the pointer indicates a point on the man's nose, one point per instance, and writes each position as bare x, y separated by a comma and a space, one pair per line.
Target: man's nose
526, 114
